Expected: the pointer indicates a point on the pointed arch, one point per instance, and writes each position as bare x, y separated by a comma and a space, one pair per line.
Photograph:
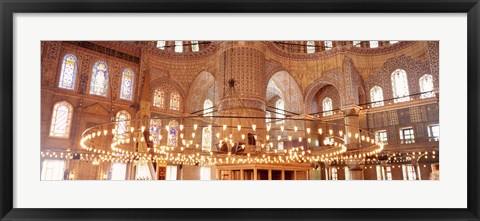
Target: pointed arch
159, 98
99, 79
199, 90
376, 96
400, 86
426, 86
122, 124
61, 119
126, 89
327, 107
286, 87
68, 73
175, 101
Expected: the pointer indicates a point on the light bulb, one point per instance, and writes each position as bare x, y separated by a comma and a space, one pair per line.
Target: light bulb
132, 129
159, 137
181, 127
195, 126
230, 135
224, 127
268, 137
308, 130
279, 137
239, 127
290, 138
341, 133
309, 140
300, 139
210, 127
193, 135
254, 127
167, 128
218, 135
243, 136
320, 130
268, 127
181, 136
282, 128
330, 131
295, 128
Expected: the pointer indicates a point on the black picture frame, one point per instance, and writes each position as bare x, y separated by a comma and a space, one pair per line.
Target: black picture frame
9, 7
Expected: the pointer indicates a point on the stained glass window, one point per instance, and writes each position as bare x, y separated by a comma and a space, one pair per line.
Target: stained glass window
373, 44
156, 131
69, 72
357, 44
328, 45
173, 133
376, 96
61, 119
174, 101
400, 86
327, 107
207, 108
426, 86
310, 47
159, 98
280, 105
206, 139
123, 124
127, 85
161, 45
99, 82
179, 46
195, 46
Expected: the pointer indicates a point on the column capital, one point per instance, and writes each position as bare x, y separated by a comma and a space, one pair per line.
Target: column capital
351, 110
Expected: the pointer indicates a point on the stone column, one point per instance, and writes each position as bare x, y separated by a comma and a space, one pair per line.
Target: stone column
352, 121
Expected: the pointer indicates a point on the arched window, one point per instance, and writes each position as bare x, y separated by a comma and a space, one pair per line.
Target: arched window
280, 105
400, 86
61, 120
99, 82
179, 46
327, 107
376, 96
195, 46
68, 73
122, 125
373, 44
127, 85
207, 108
159, 98
426, 86
310, 47
161, 45
328, 45
156, 131
173, 133
174, 101
206, 139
